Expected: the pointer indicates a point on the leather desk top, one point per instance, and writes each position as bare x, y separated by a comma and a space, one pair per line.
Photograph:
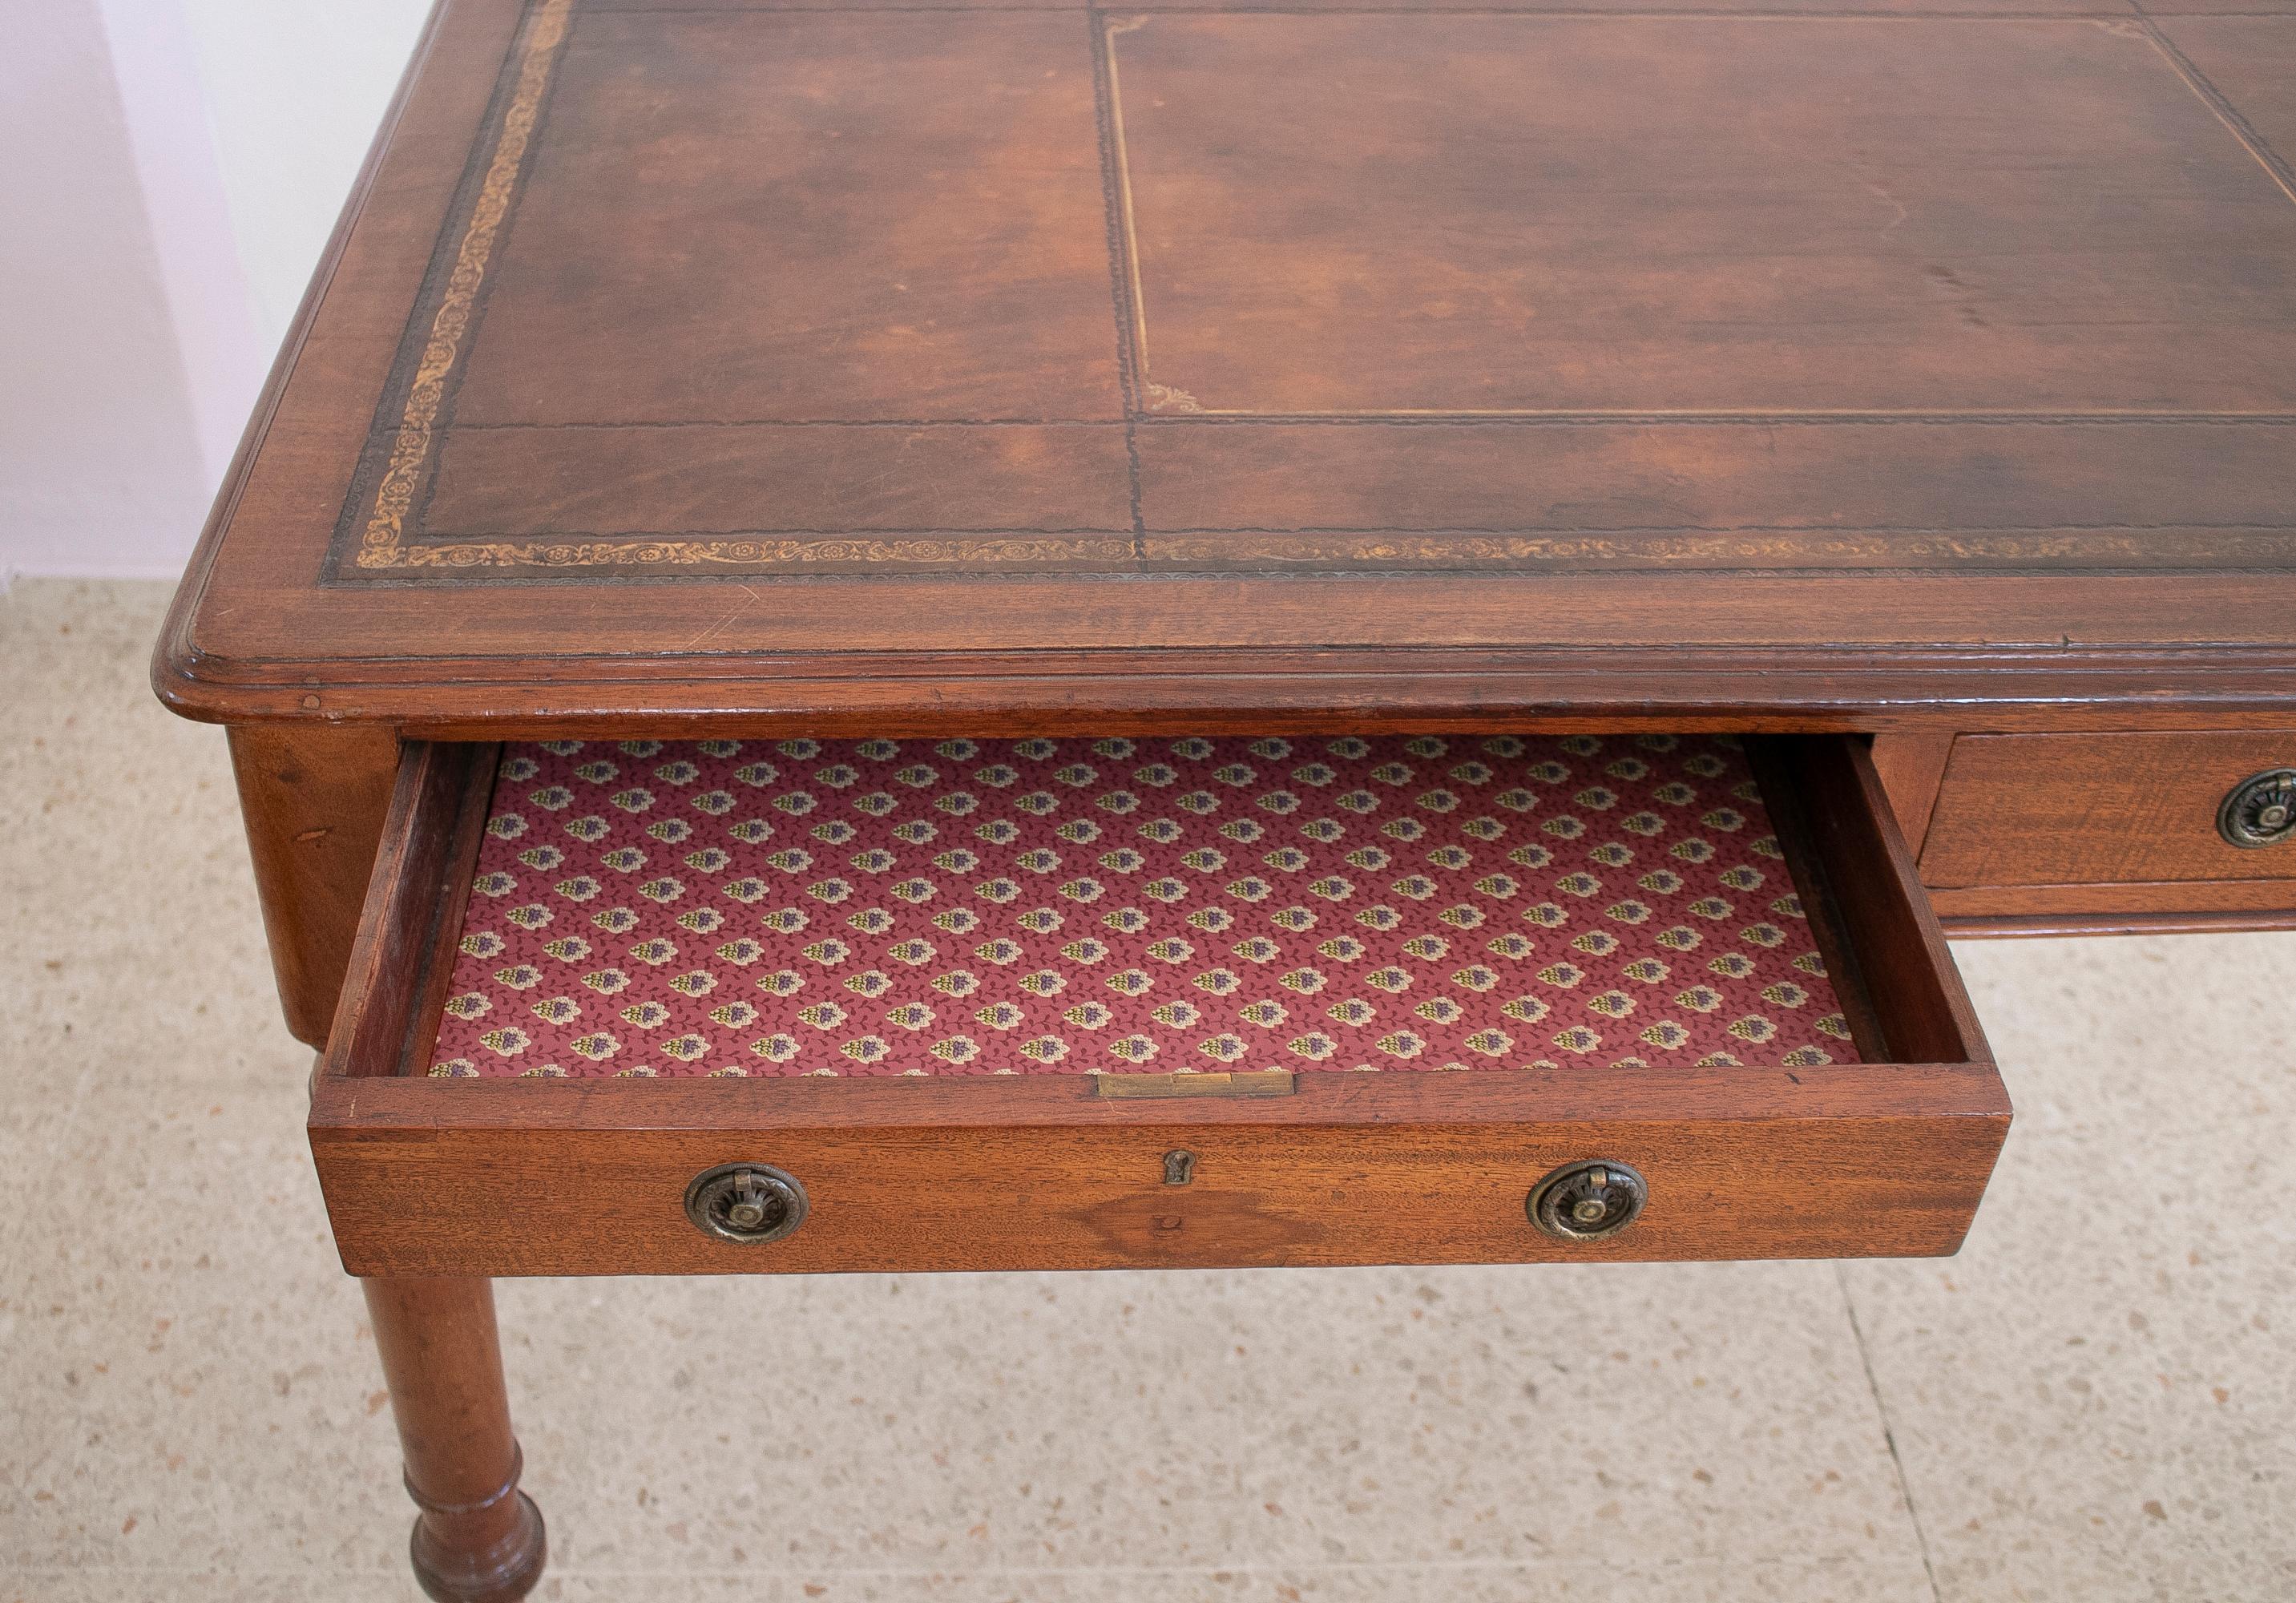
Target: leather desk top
890, 368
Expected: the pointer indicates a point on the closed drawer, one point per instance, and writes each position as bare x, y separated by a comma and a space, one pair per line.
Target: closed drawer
2102, 809
616, 1007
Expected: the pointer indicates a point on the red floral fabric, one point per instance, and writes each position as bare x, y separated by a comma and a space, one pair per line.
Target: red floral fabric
965, 906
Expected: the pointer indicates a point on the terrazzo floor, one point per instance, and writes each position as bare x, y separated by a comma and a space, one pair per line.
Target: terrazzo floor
2096, 1400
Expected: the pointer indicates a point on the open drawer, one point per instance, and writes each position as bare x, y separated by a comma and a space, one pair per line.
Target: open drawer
624, 1008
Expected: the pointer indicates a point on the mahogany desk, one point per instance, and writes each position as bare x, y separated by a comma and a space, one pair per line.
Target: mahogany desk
1909, 389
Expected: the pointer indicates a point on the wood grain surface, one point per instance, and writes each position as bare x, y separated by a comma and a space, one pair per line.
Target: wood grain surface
2144, 910
2102, 810
478, 1538
1910, 768
2108, 909
312, 798
522, 1199
1021, 367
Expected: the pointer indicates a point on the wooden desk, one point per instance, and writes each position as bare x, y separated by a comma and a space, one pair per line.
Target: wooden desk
742, 370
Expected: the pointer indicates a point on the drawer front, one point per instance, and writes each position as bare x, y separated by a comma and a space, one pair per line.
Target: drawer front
1886, 1154
1802, 1163
2105, 811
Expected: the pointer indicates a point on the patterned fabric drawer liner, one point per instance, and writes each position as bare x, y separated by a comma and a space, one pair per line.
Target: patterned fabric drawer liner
1077, 906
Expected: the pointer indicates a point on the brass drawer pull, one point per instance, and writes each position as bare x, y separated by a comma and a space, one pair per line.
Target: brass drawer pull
1586, 1202
745, 1202
2260, 810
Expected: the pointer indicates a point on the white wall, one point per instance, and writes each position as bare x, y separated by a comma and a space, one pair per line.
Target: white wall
295, 88
169, 171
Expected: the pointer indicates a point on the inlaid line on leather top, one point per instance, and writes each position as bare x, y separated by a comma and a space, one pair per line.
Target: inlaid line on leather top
1077, 906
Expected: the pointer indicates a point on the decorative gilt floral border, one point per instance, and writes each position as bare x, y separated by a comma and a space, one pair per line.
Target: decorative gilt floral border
381, 541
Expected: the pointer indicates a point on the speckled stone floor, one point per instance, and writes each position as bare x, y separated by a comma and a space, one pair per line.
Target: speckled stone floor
2096, 1400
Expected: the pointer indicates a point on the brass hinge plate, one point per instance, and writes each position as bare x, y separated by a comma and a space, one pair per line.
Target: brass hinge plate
1266, 1082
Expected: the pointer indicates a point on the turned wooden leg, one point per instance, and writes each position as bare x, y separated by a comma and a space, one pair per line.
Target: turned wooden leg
479, 1539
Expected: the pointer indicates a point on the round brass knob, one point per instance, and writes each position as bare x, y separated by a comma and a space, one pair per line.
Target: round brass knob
2260, 810
1584, 1202
747, 1202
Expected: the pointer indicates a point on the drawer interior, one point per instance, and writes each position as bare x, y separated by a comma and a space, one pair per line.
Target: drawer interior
1341, 967
962, 907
